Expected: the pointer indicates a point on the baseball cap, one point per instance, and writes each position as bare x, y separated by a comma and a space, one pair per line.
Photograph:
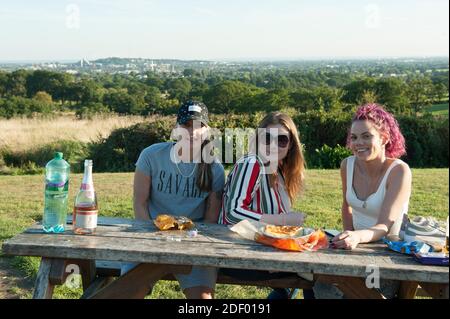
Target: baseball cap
193, 110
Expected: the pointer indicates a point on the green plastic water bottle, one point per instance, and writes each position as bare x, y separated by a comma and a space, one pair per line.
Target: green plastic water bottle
56, 194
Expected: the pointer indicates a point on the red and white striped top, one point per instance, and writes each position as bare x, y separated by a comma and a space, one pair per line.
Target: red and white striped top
248, 194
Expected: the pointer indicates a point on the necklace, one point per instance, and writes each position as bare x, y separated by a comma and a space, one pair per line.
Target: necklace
176, 160
181, 173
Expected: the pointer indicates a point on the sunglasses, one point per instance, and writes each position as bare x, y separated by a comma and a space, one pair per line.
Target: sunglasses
282, 140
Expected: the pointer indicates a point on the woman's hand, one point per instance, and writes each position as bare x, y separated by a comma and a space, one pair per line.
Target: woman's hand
346, 240
294, 218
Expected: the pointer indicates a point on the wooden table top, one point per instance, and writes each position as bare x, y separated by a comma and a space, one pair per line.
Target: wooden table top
118, 239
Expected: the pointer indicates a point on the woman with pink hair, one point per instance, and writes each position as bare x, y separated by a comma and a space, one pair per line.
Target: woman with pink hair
376, 184
376, 187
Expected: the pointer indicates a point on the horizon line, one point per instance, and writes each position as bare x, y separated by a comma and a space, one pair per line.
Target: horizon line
242, 59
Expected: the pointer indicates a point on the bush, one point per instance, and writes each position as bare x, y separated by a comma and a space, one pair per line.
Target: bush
426, 137
90, 110
30, 161
327, 157
120, 151
321, 133
426, 140
20, 106
319, 128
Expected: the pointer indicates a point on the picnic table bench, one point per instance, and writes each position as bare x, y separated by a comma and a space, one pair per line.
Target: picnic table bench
161, 254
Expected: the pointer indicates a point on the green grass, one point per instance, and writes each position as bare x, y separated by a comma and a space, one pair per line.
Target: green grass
21, 204
438, 109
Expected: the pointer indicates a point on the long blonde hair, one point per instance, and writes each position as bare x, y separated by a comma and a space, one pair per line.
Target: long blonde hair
293, 165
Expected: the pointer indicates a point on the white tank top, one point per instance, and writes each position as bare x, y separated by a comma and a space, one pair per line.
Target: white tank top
366, 213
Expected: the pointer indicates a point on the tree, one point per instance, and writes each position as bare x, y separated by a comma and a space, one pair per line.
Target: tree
439, 92
136, 88
3, 80
154, 80
303, 100
123, 103
392, 93
16, 83
228, 96
190, 72
153, 99
269, 101
43, 97
354, 91
368, 96
327, 98
199, 90
85, 91
179, 89
54, 83
418, 93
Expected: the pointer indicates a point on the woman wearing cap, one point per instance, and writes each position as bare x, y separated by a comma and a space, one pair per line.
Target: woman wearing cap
376, 184
173, 178
263, 185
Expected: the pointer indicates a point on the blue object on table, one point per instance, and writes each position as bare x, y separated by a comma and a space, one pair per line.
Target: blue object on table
439, 259
407, 247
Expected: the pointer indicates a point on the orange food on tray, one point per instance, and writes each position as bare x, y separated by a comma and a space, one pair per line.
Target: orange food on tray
309, 242
169, 222
282, 231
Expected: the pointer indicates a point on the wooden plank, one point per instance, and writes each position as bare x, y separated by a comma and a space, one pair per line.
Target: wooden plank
147, 231
353, 288
437, 291
98, 284
138, 282
62, 268
228, 255
106, 268
88, 272
43, 288
408, 289
58, 273
112, 269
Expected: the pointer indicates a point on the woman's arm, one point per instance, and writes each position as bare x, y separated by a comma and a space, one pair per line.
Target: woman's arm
141, 195
213, 203
398, 191
346, 210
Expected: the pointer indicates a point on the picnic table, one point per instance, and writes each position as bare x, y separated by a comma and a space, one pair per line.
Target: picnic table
161, 254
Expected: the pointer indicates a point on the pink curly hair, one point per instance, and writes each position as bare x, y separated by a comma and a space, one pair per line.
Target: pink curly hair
385, 123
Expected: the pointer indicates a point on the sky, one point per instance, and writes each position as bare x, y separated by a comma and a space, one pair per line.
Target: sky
222, 30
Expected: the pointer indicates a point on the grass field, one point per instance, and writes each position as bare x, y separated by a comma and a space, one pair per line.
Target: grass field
21, 204
438, 109
23, 134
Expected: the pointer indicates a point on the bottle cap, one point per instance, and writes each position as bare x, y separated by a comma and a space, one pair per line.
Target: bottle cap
59, 155
88, 162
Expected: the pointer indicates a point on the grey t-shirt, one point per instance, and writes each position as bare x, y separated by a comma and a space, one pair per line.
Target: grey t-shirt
173, 189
